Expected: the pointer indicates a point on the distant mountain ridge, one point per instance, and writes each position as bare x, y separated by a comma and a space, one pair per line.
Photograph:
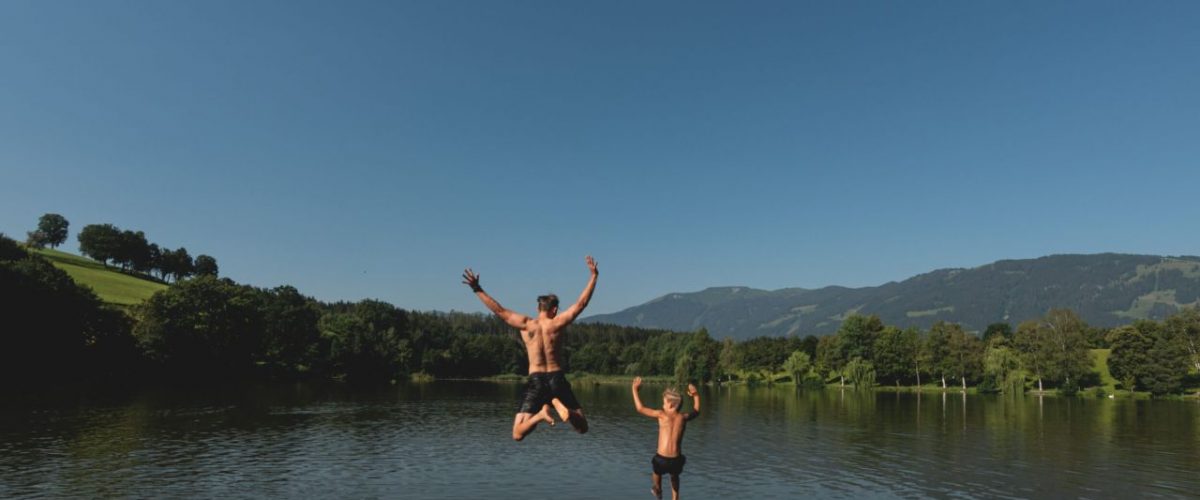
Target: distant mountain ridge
1105, 289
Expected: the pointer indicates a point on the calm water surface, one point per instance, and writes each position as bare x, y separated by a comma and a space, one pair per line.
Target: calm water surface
451, 440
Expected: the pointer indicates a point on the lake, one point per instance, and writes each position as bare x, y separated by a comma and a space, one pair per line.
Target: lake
451, 439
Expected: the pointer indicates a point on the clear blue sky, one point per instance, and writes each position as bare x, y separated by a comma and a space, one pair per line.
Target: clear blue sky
374, 149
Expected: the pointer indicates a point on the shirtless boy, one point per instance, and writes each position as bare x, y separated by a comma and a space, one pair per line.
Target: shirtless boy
542, 337
671, 424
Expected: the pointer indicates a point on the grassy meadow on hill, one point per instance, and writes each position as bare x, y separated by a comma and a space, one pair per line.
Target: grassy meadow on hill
109, 283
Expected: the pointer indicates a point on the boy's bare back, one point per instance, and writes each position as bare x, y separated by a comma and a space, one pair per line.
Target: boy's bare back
671, 423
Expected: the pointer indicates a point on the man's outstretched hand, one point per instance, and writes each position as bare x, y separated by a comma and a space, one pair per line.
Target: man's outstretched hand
591, 263
637, 382
472, 280
691, 390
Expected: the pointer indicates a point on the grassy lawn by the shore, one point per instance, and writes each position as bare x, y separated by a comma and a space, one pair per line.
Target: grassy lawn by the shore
781, 380
110, 284
591, 379
1100, 365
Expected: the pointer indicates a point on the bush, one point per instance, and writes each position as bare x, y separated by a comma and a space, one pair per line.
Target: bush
203, 328
10, 249
1070, 388
1089, 379
55, 330
812, 380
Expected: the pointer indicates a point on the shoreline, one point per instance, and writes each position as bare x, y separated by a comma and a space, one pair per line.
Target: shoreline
1085, 393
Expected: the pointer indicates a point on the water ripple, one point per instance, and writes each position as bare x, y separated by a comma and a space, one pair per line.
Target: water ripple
450, 440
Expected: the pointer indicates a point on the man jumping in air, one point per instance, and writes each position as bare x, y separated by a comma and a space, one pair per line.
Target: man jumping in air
542, 337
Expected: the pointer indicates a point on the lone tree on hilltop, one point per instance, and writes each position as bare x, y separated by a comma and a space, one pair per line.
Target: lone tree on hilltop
51, 231
205, 265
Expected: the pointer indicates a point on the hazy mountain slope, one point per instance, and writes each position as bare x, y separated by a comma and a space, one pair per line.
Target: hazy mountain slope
1106, 289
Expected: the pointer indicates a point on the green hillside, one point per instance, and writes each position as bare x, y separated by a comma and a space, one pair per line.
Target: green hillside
1105, 289
110, 284
1100, 366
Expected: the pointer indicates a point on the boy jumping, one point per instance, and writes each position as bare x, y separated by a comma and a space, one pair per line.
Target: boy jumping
671, 424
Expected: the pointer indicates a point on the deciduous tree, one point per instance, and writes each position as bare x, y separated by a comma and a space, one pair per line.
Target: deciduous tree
51, 231
205, 265
101, 242
206, 328
936, 350
829, 358
368, 341
1031, 342
895, 353
1067, 346
1185, 325
966, 354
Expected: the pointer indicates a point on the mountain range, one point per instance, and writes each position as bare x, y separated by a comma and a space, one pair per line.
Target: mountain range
1105, 289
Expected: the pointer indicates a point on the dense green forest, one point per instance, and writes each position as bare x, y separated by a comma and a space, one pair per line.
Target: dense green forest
205, 328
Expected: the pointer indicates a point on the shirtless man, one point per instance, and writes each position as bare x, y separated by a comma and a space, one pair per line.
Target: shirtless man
671, 424
542, 337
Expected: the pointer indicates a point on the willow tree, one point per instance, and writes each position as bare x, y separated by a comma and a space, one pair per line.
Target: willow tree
861, 373
1002, 364
798, 365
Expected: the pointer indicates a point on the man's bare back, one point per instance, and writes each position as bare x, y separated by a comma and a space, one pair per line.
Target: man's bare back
541, 340
542, 337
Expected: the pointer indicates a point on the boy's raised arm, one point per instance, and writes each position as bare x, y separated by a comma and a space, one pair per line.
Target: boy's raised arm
695, 401
637, 401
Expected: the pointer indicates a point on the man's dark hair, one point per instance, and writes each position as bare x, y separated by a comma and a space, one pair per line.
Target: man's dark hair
547, 302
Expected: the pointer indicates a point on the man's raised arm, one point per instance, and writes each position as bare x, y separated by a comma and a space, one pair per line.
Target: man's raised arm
566, 317
514, 319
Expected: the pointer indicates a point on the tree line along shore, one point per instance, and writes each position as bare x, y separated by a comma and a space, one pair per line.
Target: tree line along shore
201, 327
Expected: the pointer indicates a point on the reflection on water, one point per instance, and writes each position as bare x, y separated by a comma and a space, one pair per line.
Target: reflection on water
451, 440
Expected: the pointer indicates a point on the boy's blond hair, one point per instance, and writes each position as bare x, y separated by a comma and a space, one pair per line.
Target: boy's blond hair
671, 395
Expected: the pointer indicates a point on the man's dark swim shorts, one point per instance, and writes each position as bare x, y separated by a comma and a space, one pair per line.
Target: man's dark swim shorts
544, 386
663, 465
